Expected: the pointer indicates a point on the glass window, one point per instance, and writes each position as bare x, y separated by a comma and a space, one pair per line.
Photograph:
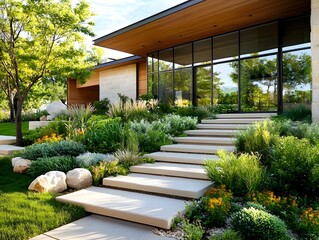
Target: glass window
183, 86
152, 62
166, 59
165, 87
203, 52
152, 84
259, 40
296, 79
296, 33
225, 85
258, 84
183, 56
203, 79
225, 47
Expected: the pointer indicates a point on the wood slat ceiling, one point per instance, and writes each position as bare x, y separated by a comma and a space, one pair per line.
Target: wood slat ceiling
208, 18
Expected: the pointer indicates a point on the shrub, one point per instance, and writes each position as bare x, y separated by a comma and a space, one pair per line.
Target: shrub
242, 174
152, 140
102, 106
200, 112
50, 138
254, 224
294, 167
88, 159
229, 234
146, 96
63, 148
46, 164
177, 124
126, 158
192, 231
309, 223
300, 113
105, 169
33, 116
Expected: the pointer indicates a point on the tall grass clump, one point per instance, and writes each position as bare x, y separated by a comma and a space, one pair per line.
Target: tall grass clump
243, 174
300, 113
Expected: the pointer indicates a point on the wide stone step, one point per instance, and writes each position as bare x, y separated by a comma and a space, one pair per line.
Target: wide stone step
172, 169
187, 158
194, 148
8, 149
213, 133
222, 126
7, 140
233, 121
245, 115
205, 140
172, 186
131, 206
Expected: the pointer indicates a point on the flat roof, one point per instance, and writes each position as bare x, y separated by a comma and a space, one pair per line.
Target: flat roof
196, 19
119, 62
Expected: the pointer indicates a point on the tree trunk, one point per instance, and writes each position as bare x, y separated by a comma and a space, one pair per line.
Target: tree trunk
12, 112
19, 136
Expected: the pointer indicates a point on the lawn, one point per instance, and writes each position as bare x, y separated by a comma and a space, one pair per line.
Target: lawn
9, 129
25, 214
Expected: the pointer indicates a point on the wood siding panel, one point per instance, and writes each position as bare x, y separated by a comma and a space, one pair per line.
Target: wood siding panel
142, 78
93, 81
82, 95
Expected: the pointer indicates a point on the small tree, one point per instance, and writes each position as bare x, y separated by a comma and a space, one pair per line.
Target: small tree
40, 39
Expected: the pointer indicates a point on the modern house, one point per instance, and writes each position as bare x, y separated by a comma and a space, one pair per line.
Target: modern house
247, 56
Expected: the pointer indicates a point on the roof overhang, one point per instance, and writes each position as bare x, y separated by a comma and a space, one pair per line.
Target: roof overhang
118, 63
196, 19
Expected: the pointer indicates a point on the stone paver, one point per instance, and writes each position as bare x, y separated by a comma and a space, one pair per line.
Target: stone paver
7, 140
8, 149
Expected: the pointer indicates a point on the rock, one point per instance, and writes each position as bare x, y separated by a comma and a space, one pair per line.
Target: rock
55, 108
79, 178
54, 181
14, 160
43, 118
21, 165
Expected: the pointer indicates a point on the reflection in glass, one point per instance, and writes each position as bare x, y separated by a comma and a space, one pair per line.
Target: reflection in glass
166, 59
225, 47
258, 84
203, 51
225, 85
152, 62
296, 79
183, 85
152, 84
165, 87
204, 85
183, 56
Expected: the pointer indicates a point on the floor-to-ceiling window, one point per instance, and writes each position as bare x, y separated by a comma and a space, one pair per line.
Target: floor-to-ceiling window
258, 69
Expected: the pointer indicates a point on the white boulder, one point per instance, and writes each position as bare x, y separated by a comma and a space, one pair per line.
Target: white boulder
55, 108
54, 181
79, 178
20, 165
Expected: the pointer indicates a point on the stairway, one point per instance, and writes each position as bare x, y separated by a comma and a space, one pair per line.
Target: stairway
153, 194
6, 145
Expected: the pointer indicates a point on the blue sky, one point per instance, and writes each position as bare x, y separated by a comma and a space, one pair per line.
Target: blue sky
112, 15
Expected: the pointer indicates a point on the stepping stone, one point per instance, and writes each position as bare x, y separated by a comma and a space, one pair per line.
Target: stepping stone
245, 115
187, 158
8, 149
235, 120
172, 186
131, 206
193, 148
205, 140
222, 126
7, 140
172, 169
213, 133
99, 227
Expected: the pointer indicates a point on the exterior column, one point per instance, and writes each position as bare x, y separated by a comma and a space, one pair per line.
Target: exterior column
315, 58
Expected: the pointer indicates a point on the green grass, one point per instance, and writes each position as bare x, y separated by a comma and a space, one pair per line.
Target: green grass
24, 214
9, 129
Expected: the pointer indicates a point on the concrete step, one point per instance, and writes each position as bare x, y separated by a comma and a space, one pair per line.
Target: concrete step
193, 148
7, 140
131, 206
212, 133
95, 227
222, 126
172, 169
205, 140
233, 121
172, 186
245, 115
186, 158
8, 149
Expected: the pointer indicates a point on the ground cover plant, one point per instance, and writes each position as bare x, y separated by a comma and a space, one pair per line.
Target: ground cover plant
25, 214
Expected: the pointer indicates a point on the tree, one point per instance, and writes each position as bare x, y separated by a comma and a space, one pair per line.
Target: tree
40, 39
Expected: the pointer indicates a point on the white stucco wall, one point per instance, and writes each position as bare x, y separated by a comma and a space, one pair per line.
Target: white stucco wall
118, 80
315, 58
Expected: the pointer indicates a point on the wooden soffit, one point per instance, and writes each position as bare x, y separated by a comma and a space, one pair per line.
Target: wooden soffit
198, 19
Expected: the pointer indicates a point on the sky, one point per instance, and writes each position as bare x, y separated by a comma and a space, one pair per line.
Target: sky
112, 15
